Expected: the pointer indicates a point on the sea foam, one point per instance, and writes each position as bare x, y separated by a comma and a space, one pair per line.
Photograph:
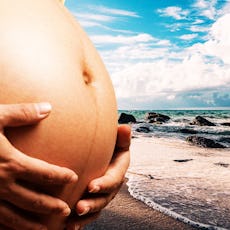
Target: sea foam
196, 192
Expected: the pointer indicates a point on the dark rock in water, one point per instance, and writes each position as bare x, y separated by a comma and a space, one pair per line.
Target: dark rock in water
189, 131
126, 118
156, 117
226, 123
204, 142
201, 121
150, 176
183, 160
225, 165
225, 139
144, 128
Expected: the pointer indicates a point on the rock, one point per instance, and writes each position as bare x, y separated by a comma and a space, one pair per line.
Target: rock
150, 176
226, 123
201, 121
188, 131
144, 128
224, 139
126, 118
204, 142
183, 160
225, 165
156, 117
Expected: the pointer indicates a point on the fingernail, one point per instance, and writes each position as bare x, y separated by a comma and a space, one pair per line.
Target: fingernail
95, 189
43, 108
84, 212
66, 211
77, 227
73, 178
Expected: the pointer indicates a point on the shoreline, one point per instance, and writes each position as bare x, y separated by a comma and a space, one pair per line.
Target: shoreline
178, 173
127, 213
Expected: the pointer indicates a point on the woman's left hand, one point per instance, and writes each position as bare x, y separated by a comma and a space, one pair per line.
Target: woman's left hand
102, 190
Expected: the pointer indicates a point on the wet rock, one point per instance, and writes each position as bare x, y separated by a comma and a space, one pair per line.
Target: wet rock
156, 117
144, 128
183, 160
188, 131
204, 142
201, 121
126, 118
225, 139
150, 176
226, 123
225, 165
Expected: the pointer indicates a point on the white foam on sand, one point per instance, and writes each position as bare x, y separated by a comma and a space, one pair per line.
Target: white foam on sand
196, 191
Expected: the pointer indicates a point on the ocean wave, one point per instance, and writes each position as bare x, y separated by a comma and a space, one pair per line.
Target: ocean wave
189, 183
139, 192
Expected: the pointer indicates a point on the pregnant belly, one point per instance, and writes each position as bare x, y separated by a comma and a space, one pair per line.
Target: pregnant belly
46, 56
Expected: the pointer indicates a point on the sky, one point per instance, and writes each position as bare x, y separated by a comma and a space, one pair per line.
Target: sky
162, 54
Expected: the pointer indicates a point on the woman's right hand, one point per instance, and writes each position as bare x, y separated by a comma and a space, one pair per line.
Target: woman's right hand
15, 166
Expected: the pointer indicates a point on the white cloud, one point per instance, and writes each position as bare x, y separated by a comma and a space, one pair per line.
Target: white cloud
206, 8
121, 39
195, 28
99, 16
126, 50
203, 4
174, 11
165, 78
188, 36
198, 21
94, 17
86, 23
218, 44
168, 78
163, 43
225, 9
118, 12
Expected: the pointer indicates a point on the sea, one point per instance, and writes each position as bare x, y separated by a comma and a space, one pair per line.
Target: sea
181, 119
189, 183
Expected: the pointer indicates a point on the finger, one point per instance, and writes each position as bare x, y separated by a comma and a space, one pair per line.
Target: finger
77, 223
114, 176
34, 170
10, 218
92, 205
23, 114
33, 201
123, 137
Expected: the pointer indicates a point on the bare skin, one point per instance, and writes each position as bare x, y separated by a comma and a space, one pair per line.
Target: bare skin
106, 187
16, 166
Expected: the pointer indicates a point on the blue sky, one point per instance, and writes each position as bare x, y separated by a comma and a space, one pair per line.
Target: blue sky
162, 54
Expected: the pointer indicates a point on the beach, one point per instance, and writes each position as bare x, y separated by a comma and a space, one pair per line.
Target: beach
127, 213
176, 186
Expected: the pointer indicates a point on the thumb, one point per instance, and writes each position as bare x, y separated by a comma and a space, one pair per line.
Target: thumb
123, 137
23, 114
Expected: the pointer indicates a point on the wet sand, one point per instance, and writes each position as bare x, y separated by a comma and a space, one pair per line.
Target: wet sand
127, 213
157, 158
